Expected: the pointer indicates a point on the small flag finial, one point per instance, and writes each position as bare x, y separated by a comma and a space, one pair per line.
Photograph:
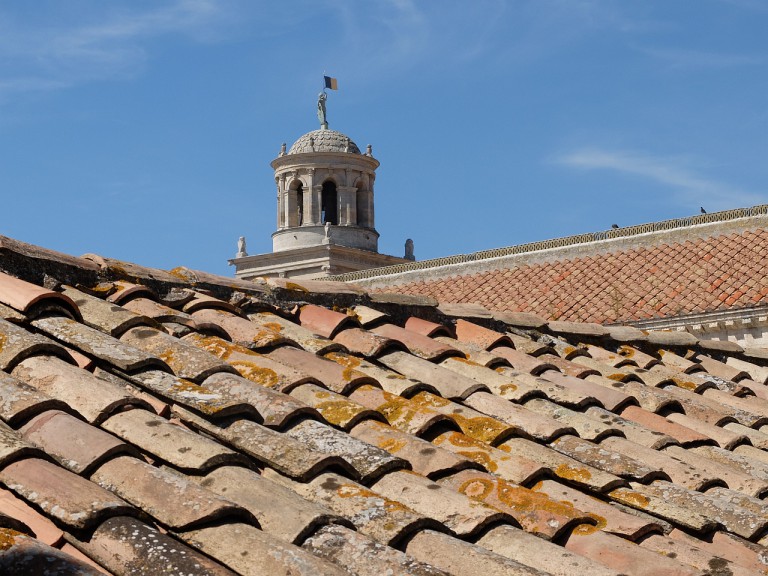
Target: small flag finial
330, 83
322, 115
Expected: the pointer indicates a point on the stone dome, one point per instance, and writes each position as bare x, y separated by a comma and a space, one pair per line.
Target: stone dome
324, 141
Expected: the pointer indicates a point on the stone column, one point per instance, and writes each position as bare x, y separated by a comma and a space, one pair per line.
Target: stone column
280, 181
347, 205
313, 194
371, 200
291, 209
317, 202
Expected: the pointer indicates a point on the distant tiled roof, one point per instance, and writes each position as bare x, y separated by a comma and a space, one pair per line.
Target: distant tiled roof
702, 275
692, 266
176, 422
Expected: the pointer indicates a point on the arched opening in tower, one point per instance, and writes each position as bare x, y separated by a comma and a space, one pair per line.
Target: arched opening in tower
330, 204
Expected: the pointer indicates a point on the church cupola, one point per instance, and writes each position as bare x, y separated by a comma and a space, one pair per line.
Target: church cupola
325, 191
325, 209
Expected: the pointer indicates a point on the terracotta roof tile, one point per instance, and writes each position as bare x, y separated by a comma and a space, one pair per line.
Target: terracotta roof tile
368, 316
446, 382
455, 510
499, 384
682, 471
523, 422
93, 398
284, 453
391, 381
514, 543
97, 344
554, 392
362, 555
368, 461
562, 466
251, 365
600, 457
186, 361
464, 559
511, 467
292, 332
148, 487
274, 409
334, 408
40, 526
16, 344
401, 413
609, 397
323, 321
333, 376
170, 443
246, 434
70, 499
609, 518
24, 296
366, 343
424, 457
264, 554
523, 362
22, 554
720, 435
76, 445
587, 427
685, 436
122, 543
626, 557
146, 307
280, 511
20, 401
426, 328
14, 446
692, 555
419, 345
372, 513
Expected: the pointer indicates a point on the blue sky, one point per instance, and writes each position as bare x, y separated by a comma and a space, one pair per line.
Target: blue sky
143, 130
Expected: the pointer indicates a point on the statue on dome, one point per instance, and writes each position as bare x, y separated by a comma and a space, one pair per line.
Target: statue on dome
321, 114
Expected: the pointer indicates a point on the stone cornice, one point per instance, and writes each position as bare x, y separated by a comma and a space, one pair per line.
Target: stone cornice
335, 159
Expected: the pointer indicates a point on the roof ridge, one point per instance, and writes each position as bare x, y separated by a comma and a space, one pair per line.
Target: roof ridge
614, 233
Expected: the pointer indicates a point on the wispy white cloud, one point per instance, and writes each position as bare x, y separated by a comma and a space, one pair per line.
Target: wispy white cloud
112, 45
688, 186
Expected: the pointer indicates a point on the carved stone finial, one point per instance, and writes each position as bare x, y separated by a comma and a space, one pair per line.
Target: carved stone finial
369, 150
241, 251
282, 149
409, 250
346, 144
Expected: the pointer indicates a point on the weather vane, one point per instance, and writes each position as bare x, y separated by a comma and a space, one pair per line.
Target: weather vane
331, 83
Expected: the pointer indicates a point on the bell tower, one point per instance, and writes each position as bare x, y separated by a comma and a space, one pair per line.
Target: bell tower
325, 191
325, 210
